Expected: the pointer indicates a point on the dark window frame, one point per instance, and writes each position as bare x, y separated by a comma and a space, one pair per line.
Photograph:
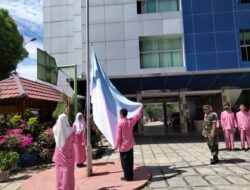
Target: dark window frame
245, 45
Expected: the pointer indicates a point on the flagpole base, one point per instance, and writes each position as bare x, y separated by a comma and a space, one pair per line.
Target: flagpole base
89, 161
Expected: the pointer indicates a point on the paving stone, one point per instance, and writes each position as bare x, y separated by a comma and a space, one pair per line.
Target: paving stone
3, 184
175, 159
180, 188
181, 164
216, 180
203, 188
223, 171
198, 163
247, 177
237, 180
158, 184
189, 171
231, 187
12, 186
238, 170
176, 182
205, 171
195, 181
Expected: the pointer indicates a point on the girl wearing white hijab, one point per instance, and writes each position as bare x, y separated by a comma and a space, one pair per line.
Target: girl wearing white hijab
64, 157
80, 140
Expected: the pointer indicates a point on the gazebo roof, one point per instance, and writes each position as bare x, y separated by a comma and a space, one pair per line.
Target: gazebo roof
18, 87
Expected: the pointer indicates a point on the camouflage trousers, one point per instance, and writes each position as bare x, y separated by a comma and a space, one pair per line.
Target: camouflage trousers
213, 145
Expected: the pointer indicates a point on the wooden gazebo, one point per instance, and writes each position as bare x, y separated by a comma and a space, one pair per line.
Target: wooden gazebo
18, 94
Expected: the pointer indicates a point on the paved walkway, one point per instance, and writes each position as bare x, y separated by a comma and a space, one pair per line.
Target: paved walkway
183, 163
106, 177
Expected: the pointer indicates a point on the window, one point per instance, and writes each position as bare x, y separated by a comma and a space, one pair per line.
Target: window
245, 45
153, 6
243, 1
160, 52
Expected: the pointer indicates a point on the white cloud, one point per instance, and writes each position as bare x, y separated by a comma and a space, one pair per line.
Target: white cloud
28, 71
24, 9
29, 18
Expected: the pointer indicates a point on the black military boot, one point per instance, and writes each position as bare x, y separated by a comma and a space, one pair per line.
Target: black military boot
216, 159
212, 161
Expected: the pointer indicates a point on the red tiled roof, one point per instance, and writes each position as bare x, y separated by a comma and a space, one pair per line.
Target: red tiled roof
16, 87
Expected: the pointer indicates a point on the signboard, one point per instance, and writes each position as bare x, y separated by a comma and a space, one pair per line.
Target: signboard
46, 67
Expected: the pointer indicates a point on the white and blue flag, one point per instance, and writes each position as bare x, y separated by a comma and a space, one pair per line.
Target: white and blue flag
107, 101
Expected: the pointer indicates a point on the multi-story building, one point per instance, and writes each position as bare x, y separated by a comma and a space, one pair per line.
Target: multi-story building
158, 51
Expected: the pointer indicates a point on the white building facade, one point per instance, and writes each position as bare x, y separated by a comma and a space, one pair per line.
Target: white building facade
126, 41
187, 51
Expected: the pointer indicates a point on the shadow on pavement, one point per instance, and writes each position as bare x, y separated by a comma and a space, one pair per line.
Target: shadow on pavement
103, 163
12, 179
233, 160
109, 188
159, 173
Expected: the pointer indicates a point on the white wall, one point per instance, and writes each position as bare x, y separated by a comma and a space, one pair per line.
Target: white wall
115, 28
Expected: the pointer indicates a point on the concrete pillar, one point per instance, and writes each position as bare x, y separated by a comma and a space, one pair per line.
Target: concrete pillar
183, 113
140, 122
230, 96
225, 95
165, 116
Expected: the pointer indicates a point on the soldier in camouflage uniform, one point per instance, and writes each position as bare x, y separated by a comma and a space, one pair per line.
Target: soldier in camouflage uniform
210, 132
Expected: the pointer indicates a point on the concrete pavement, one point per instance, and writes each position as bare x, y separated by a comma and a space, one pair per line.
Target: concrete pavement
183, 163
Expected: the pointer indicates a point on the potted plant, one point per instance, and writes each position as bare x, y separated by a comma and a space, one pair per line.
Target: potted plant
7, 161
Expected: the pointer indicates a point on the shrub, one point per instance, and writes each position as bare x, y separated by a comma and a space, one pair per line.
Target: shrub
7, 159
16, 120
14, 139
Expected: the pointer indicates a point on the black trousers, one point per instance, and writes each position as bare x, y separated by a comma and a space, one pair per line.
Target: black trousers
127, 162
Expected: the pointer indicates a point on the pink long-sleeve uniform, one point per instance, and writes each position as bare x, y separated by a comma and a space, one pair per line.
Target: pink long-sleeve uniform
80, 142
64, 159
228, 123
124, 133
243, 120
228, 120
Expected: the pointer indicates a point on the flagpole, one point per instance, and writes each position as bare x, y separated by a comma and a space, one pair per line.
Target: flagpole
89, 146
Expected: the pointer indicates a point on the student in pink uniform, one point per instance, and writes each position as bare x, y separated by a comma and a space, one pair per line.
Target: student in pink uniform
64, 157
80, 140
228, 124
243, 121
125, 142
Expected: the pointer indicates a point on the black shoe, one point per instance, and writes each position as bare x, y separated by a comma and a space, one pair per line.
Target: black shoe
216, 159
242, 148
246, 149
81, 165
126, 179
212, 162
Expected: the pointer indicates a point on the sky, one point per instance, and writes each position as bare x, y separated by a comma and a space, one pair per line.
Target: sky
29, 19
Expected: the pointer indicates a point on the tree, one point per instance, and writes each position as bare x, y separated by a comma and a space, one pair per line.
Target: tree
64, 101
11, 45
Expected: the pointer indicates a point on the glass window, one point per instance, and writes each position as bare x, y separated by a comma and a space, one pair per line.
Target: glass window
245, 45
153, 6
160, 52
243, 1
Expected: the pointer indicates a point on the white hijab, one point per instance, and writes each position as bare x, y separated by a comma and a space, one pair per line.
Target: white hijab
62, 130
80, 125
